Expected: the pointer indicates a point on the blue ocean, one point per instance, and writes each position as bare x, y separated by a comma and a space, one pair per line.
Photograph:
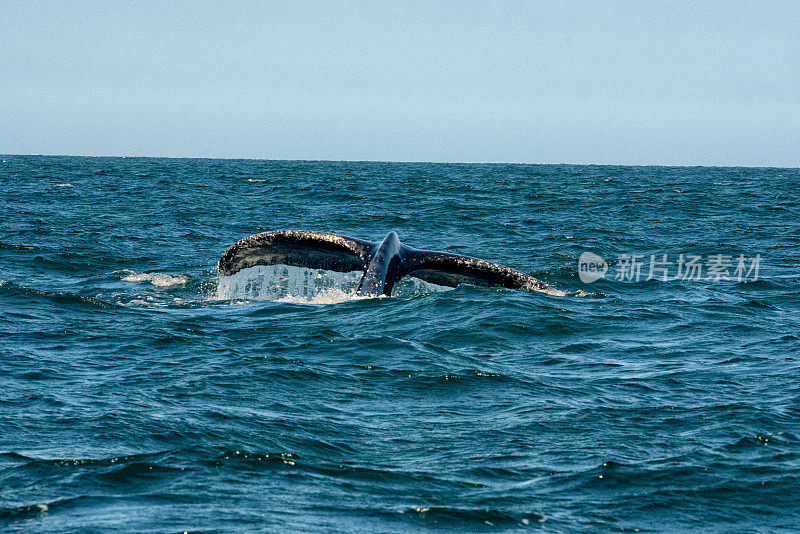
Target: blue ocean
657, 390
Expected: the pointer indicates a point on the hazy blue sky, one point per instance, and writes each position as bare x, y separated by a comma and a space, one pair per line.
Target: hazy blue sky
630, 82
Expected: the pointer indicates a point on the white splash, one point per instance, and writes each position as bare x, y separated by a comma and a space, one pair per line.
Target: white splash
283, 283
64, 185
549, 290
157, 279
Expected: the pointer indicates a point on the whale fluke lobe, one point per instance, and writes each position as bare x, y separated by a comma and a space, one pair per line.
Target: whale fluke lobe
383, 264
451, 270
315, 250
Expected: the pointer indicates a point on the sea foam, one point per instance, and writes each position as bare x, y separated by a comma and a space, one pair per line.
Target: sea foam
157, 279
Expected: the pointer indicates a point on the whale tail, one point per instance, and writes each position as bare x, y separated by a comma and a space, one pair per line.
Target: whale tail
383, 264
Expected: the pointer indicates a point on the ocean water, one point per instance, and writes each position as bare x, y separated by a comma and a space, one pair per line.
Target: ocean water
140, 392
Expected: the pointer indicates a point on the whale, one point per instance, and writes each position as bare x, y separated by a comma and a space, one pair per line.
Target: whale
382, 263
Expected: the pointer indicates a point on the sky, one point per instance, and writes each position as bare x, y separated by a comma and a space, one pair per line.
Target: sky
641, 83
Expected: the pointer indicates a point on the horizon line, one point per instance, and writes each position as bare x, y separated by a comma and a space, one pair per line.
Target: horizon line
429, 162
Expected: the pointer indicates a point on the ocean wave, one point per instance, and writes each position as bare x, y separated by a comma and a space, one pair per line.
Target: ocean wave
467, 517
12, 246
60, 297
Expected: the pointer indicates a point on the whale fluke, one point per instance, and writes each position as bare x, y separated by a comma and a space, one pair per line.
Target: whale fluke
383, 264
